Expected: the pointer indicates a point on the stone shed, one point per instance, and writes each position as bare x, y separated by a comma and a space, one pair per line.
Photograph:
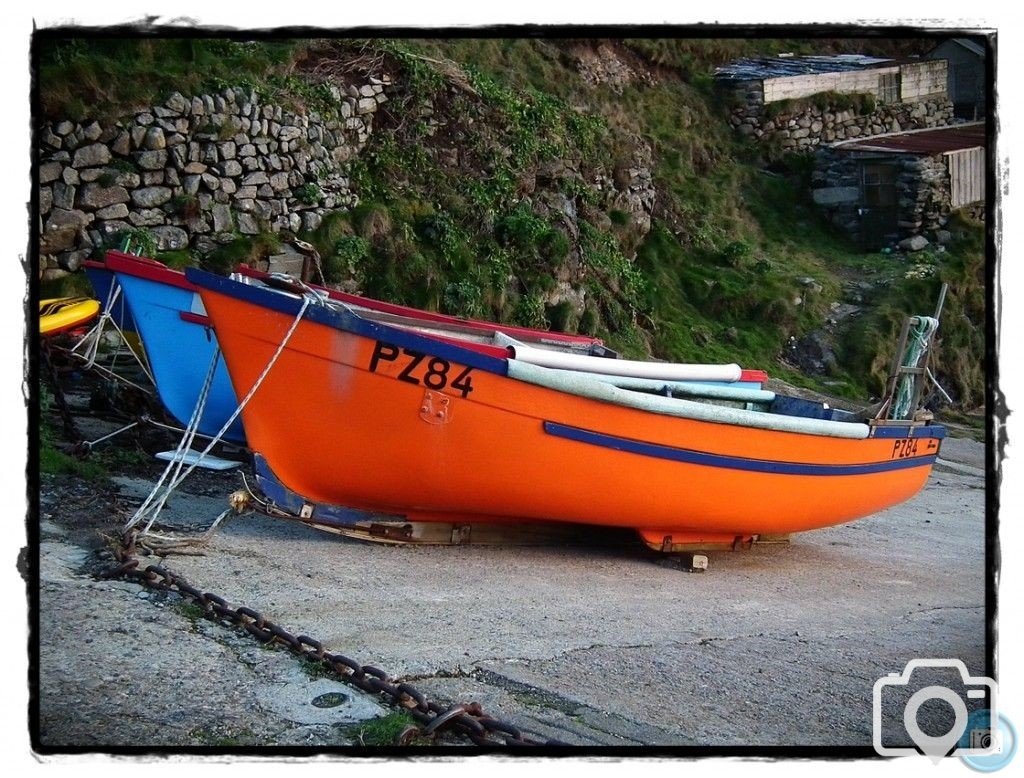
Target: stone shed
901, 186
792, 104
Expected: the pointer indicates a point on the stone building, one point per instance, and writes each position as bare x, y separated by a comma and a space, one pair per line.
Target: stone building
794, 104
966, 75
901, 186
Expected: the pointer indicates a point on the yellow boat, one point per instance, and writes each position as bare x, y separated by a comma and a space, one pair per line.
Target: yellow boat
60, 314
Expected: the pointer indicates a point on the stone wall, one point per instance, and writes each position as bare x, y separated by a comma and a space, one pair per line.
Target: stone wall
922, 189
804, 126
196, 171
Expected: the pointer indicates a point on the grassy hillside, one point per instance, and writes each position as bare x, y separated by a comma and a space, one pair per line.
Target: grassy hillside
467, 178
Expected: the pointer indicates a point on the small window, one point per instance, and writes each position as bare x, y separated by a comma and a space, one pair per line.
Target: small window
879, 185
889, 88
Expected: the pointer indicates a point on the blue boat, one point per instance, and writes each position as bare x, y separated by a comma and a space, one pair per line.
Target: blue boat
103, 283
180, 345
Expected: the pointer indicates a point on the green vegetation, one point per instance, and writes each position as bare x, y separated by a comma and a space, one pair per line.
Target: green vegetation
190, 610
862, 103
52, 459
246, 249
220, 736
465, 237
100, 77
958, 362
316, 668
484, 190
135, 240
383, 731
55, 462
72, 285
309, 194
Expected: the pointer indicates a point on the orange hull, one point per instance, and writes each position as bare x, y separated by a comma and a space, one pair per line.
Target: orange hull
349, 418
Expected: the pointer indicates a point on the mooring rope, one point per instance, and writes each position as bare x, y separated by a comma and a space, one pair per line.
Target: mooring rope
178, 457
93, 338
154, 504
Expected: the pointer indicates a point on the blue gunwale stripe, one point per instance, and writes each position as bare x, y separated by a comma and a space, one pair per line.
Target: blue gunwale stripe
898, 431
690, 456
346, 321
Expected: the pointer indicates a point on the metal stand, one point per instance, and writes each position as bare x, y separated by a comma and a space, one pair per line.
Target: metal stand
70, 430
918, 373
687, 562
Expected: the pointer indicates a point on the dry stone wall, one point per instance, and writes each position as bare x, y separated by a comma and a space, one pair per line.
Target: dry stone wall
807, 126
198, 171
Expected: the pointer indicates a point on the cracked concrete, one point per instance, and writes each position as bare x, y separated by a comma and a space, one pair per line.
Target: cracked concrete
588, 642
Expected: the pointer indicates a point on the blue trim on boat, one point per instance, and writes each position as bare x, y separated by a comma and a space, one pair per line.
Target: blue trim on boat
290, 502
720, 460
936, 431
346, 320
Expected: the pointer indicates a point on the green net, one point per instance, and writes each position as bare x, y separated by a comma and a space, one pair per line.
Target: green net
915, 355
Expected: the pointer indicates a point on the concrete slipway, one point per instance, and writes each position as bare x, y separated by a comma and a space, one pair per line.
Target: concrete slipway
593, 643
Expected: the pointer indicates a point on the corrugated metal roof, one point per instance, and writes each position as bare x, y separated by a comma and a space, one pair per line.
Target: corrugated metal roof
939, 141
972, 46
752, 68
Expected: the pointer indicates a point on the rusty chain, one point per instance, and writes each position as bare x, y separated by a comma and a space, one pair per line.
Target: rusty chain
467, 720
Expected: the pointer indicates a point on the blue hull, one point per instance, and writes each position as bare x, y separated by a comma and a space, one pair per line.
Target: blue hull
180, 353
102, 281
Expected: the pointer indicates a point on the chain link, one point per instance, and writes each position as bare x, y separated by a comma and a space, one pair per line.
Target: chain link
467, 719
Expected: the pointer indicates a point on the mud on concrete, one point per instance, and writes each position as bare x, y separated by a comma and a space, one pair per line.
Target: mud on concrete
588, 641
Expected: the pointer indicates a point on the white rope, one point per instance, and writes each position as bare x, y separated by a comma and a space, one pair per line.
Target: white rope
115, 376
112, 293
90, 443
938, 386
158, 503
93, 338
160, 543
184, 444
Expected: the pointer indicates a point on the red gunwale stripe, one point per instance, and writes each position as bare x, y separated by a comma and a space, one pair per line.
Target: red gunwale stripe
404, 310
150, 269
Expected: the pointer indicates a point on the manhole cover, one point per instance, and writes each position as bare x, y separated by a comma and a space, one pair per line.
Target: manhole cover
330, 700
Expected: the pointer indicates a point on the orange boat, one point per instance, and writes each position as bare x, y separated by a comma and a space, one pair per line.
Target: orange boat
359, 414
